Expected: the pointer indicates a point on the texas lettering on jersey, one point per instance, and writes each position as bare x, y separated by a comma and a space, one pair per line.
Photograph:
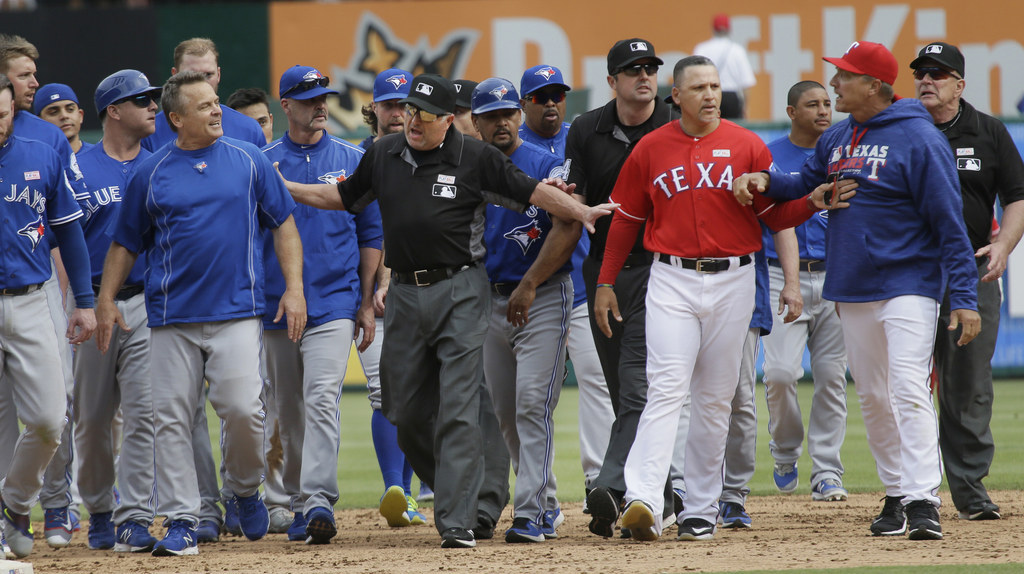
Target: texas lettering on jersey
856, 158
675, 181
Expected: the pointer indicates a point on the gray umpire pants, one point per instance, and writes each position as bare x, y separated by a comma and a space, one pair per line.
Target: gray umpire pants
524, 368
119, 378
227, 354
819, 330
431, 379
965, 398
307, 378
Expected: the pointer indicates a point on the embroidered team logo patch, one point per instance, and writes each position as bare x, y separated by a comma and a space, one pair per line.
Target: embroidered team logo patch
525, 235
426, 89
398, 80
445, 191
547, 72
34, 232
638, 46
31, 175
933, 49
200, 166
968, 164
333, 177
499, 92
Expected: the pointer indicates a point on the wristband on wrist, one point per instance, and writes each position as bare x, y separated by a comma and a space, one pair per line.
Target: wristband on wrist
608, 285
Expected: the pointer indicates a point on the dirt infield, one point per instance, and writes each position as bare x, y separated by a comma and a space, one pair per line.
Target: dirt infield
789, 532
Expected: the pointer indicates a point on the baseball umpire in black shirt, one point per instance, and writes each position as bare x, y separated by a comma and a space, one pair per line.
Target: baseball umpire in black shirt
432, 185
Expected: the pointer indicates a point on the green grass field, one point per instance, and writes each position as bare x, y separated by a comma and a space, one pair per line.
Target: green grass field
361, 486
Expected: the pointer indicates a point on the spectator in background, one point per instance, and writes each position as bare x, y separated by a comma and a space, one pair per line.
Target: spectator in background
733, 67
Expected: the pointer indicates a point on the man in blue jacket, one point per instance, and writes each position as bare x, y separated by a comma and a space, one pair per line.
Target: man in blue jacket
891, 255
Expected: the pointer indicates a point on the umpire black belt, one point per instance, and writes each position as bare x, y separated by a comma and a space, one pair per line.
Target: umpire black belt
809, 265
425, 277
21, 290
124, 294
702, 265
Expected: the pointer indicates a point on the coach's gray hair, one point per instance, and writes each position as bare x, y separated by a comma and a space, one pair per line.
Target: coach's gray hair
681, 65
171, 99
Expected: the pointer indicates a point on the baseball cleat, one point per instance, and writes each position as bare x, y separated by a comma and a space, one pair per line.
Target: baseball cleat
180, 540
17, 530
639, 519
678, 495
415, 516
58, 527
394, 506
604, 511
829, 490
552, 520
425, 494
733, 515
320, 526
231, 523
923, 519
457, 538
252, 516
524, 530
134, 537
786, 477
892, 521
207, 531
280, 520
101, 531
984, 511
696, 529
297, 530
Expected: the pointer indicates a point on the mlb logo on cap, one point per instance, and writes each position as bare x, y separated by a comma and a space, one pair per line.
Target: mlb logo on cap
54, 97
638, 46
425, 89
933, 49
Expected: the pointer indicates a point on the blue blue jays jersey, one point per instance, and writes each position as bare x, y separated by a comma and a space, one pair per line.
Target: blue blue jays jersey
787, 157
107, 182
199, 216
236, 125
555, 145
330, 239
31, 127
35, 196
85, 147
514, 239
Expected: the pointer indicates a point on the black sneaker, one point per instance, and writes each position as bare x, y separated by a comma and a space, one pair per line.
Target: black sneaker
984, 511
457, 538
924, 521
604, 511
484, 529
892, 521
696, 529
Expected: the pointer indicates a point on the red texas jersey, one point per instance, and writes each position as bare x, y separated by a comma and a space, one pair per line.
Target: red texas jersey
682, 186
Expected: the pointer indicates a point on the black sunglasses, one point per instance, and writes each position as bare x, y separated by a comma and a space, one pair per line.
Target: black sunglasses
543, 98
140, 100
634, 70
309, 84
937, 74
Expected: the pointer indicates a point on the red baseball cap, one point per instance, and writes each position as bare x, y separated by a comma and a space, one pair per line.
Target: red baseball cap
720, 23
870, 59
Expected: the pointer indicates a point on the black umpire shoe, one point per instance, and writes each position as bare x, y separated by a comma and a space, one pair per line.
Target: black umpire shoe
984, 511
924, 521
484, 529
457, 538
892, 521
604, 511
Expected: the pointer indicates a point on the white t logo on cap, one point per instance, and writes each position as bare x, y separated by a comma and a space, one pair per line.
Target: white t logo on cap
852, 46
933, 49
638, 46
424, 88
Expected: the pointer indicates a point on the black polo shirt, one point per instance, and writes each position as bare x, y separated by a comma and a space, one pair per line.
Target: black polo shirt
596, 148
433, 203
988, 164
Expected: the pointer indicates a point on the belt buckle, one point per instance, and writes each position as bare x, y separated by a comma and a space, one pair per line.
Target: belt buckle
700, 265
416, 277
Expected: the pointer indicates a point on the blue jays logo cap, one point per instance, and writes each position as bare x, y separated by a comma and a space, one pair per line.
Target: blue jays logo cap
391, 84
464, 93
495, 94
626, 52
52, 93
432, 93
303, 83
120, 85
539, 77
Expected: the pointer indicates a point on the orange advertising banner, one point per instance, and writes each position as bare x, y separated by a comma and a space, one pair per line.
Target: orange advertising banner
475, 39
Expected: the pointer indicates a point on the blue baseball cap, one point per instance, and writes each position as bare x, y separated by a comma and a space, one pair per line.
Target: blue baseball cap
391, 84
539, 77
120, 85
303, 83
51, 93
495, 94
